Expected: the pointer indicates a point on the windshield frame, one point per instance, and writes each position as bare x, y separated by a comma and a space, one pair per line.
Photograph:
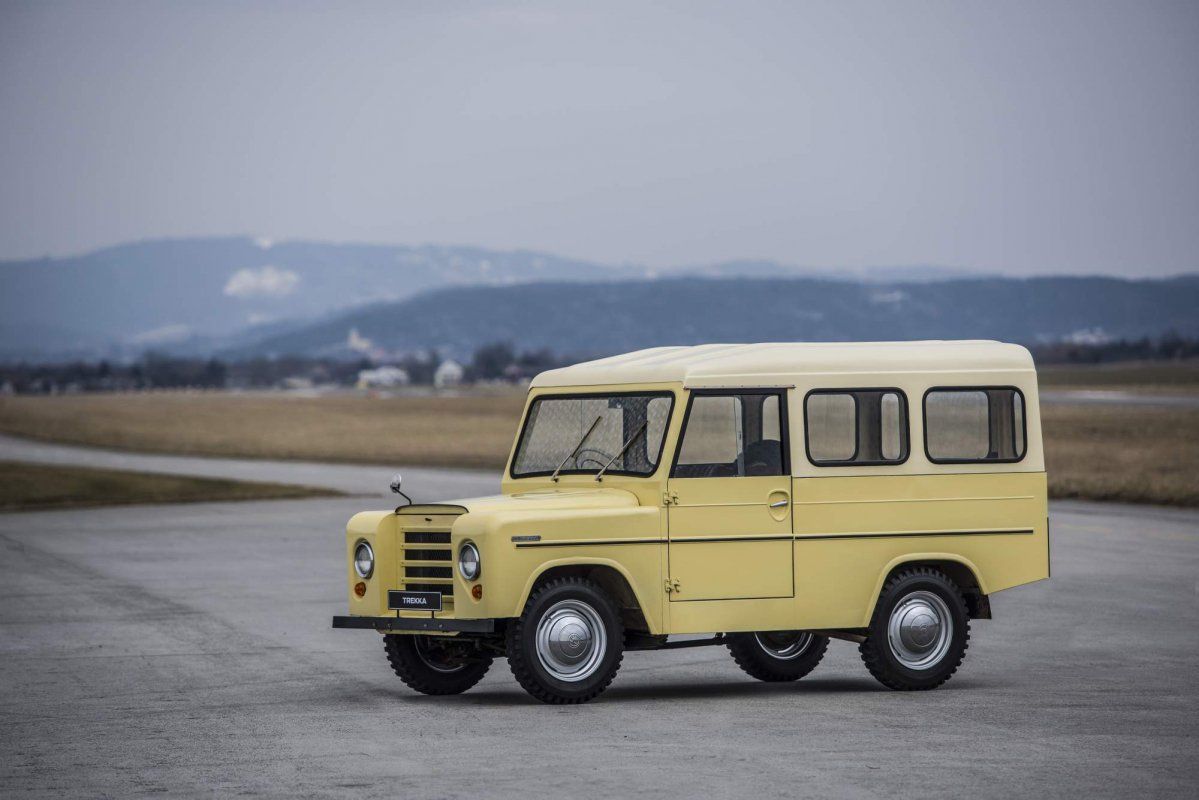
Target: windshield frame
524, 424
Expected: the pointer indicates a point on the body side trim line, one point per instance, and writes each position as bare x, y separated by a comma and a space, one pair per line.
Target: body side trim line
913, 500
780, 537
915, 534
587, 542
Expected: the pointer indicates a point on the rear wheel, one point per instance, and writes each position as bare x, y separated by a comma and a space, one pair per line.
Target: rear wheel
567, 645
777, 655
919, 631
436, 664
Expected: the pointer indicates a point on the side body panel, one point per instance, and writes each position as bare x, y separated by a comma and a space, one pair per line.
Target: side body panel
851, 531
726, 542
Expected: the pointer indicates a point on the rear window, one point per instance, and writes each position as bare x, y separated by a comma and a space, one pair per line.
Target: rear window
846, 427
965, 425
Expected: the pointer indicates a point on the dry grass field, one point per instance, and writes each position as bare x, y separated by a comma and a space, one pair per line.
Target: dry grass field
1129, 453
25, 487
473, 430
1148, 377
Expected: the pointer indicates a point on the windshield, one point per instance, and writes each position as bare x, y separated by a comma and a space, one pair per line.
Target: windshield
583, 433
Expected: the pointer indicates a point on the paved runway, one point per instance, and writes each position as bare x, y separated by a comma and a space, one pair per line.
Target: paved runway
186, 650
420, 482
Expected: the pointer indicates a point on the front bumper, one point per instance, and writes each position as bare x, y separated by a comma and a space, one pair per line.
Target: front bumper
408, 624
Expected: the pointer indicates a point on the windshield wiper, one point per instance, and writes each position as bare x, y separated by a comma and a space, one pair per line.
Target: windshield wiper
599, 476
574, 452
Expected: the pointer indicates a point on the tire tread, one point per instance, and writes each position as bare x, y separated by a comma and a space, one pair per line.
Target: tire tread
419, 678
755, 663
871, 649
522, 670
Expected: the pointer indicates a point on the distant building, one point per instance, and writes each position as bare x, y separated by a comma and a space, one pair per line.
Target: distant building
448, 373
382, 378
357, 342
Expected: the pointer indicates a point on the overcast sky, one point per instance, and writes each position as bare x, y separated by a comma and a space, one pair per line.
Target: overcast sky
1027, 138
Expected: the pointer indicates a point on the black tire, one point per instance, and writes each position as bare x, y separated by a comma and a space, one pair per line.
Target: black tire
436, 664
777, 656
884, 656
564, 596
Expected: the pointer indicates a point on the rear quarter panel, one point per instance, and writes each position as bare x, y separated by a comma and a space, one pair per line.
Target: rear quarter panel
994, 523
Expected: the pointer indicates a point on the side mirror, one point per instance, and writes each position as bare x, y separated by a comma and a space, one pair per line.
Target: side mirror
397, 480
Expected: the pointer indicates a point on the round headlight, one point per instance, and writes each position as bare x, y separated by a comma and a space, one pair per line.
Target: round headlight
469, 562
364, 560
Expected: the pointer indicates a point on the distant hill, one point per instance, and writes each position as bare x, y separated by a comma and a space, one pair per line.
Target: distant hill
190, 293
615, 316
196, 295
244, 295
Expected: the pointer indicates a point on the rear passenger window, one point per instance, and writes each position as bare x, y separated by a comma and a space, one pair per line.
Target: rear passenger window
856, 427
966, 425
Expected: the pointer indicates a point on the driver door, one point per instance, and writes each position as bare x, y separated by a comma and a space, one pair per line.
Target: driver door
729, 518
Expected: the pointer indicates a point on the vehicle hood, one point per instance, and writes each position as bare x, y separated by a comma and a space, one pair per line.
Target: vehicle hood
539, 500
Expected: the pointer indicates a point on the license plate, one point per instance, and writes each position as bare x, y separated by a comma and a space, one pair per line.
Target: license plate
413, 601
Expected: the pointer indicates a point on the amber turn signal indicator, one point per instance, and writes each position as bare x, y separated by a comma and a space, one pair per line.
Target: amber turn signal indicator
476, 591
360, 589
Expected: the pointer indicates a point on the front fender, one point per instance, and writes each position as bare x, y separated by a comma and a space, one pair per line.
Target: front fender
626, 539
641, 592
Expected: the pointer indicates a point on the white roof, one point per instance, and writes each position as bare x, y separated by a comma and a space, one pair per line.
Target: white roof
771, 363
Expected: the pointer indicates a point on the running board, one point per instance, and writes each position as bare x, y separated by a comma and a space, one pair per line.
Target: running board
652, 643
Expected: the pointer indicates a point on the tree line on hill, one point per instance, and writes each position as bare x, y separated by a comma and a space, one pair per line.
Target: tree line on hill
497, 361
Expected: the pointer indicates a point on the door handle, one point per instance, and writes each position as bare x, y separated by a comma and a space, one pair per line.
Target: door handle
779, 503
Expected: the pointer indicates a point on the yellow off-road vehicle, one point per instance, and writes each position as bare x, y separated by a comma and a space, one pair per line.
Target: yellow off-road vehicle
773, 496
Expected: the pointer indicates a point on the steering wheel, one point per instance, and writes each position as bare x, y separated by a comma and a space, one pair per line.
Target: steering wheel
599, 462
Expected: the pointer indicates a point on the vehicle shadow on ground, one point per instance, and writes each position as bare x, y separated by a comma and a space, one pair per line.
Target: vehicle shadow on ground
676, 691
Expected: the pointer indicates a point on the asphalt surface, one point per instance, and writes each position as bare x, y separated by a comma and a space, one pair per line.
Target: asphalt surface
422, 482
186, 650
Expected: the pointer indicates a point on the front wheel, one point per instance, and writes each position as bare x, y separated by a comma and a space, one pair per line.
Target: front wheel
777, 655
567, 645
919, 631
436, 664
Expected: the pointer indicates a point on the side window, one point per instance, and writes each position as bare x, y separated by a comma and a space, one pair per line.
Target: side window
846, 427
964, 425
732, 435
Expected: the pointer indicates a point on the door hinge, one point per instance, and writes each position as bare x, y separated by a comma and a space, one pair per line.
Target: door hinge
670, 499
672, 586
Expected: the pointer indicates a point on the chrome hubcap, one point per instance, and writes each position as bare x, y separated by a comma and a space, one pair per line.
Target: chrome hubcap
920, 630
784, 645
571, 640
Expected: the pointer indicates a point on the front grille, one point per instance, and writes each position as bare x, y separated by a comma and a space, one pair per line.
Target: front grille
426, 567
427, 537
446, 591
413, 554
428, 572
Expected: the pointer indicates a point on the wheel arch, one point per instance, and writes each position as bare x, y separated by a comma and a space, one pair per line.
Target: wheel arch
959, 569
611, 576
